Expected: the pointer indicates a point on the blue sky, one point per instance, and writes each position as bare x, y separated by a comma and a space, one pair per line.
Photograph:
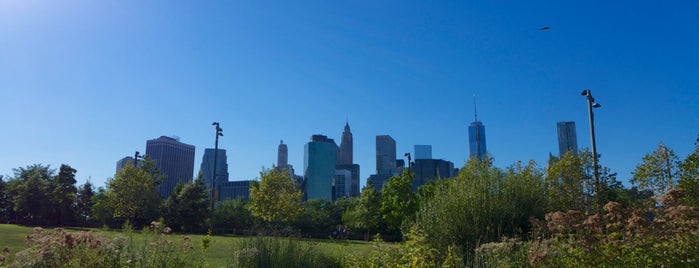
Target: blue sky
86, 83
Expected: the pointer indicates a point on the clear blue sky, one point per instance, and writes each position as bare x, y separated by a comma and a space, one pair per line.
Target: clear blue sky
86, 83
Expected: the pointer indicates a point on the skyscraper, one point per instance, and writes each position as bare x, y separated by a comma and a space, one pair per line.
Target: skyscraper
423, 152
283, 159
567, 139
345, 155
425, 170
386, 162
476, 136
319, 167
174, 159
207, 166
385, 155
282, 155
345, 161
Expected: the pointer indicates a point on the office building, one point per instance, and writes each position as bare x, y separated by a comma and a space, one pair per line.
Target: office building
174, 159
282, 155
341, 184
234, 190
423, 152
123, 162
386, 162
319, 167
385, 155
476, 136
345, 160
429, 169
283, 159
567, 139
344, 157
207, 167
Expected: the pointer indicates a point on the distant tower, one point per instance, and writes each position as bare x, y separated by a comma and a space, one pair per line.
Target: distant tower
385, 155
345, 162
476, 136
345, 155
207, 166
567, 139
282, 155
174, 159
319, 167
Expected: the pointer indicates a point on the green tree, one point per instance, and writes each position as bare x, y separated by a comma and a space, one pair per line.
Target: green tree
659, 171
233, 216
102, 212
63, 194
84, 203
318, 217
569, 182
365, 215
6, 210
132, 196
187, 208
275, 199
480, 205
31, 194
689, 178
398, 202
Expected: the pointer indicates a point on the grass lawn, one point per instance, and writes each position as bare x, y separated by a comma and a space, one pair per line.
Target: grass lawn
221, 250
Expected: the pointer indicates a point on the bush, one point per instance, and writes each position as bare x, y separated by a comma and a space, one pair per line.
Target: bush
58, 248
279, 252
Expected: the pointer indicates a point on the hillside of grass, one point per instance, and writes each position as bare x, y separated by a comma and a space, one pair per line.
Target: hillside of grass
221, 250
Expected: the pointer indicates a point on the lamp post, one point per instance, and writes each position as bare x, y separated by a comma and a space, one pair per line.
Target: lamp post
135, 159
214, 193
410, 164
595, 166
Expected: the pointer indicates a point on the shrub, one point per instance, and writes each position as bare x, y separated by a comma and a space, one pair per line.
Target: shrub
279, 252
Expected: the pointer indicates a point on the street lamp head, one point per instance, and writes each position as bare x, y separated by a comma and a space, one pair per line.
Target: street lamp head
585, 92
596, 105
214, 124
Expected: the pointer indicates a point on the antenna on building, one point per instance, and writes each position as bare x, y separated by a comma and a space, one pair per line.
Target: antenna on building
475, 111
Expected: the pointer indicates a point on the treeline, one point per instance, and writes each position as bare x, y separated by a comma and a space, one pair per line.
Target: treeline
452, 216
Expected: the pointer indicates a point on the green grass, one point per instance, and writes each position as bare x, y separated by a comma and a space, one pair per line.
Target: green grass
219, 254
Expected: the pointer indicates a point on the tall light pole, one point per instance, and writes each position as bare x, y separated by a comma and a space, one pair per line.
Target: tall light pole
214, 192
135, 159
595, 166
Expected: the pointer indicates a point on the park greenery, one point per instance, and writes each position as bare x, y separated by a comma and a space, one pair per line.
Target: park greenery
485, 216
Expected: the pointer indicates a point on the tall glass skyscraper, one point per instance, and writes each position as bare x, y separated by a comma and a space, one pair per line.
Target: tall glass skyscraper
385, 155
174, 159
319, 167
567, 139
476, 140
207, 167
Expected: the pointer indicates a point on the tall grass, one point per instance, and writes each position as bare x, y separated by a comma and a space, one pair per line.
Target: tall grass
280, 252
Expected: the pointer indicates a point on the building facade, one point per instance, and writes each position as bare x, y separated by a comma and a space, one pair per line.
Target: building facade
319, 167
234, 190
429, 169
385, 155
476, 140
423, 151
174, 159
567, 139
123, 162
207, 167
342, 184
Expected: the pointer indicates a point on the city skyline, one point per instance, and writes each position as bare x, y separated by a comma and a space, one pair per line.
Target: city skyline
85, 83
